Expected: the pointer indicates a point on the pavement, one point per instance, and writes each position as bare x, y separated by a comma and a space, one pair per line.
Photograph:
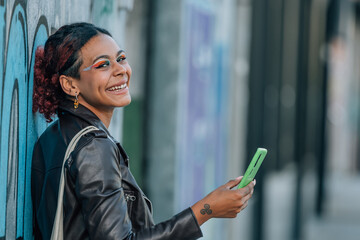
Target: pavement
342, 211
340, 221
341, 218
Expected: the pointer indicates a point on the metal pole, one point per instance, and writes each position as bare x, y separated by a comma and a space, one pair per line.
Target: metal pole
256, 104
331, 24
150, 49
279, 163
357, 160
301, 103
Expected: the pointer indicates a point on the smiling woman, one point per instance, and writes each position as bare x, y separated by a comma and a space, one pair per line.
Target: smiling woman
82, 75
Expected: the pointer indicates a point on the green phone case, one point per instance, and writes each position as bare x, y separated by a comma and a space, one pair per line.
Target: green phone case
253, 167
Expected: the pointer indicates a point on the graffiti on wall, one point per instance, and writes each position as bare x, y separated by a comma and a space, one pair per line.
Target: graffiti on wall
19, 128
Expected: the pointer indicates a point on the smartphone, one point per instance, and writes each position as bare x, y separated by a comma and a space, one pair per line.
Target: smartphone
253, 167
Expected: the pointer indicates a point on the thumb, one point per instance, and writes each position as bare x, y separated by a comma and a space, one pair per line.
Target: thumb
232, 183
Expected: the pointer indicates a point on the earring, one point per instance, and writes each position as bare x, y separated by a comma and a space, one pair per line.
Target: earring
76, 101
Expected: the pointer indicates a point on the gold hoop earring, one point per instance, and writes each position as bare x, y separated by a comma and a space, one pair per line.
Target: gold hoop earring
76, 101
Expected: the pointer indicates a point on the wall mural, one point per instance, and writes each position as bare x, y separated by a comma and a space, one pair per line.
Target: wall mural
19, 127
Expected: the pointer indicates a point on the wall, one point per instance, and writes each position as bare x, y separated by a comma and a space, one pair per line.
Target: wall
23, 26
189, 104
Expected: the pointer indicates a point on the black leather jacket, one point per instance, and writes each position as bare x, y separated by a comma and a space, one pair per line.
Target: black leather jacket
101, 199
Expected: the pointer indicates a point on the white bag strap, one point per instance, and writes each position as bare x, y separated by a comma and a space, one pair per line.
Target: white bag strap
57, 230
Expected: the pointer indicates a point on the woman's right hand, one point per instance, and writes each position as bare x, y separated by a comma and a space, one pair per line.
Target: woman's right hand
223, 202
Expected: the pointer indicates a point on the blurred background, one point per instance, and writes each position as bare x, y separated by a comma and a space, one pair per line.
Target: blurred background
212, 81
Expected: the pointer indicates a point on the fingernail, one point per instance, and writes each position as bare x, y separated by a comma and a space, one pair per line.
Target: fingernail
254, 182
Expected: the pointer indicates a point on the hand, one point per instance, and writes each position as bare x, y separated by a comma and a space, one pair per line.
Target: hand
223, 202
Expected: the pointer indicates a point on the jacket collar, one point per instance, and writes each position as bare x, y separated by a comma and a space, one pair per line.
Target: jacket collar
83, 113
86, 115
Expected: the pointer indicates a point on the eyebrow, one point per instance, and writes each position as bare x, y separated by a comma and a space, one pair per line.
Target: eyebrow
107, 56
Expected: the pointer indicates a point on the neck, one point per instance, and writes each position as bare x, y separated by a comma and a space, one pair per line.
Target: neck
105, 118
104, 115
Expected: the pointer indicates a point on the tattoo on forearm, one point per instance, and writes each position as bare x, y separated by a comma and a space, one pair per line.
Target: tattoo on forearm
206, 210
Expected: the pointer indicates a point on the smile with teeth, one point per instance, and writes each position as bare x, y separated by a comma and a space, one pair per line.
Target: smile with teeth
116, 88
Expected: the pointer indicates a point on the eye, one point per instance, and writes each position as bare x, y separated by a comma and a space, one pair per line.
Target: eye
121, 58
101, 64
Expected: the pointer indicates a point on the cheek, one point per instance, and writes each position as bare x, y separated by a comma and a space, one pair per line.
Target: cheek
128, 70
99, 81
92, 85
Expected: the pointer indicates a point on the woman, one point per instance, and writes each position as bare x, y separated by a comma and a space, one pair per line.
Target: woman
81, 75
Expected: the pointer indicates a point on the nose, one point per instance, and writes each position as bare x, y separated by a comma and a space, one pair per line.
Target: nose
119, 68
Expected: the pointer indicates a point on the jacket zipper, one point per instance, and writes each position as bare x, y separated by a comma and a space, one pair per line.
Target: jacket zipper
129, 197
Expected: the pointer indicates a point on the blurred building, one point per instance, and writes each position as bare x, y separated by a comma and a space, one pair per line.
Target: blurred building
212, 81
221, 78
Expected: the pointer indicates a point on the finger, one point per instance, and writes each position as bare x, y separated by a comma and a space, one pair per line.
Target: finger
252, 184
243, 206
232, 183
247, 189
246, 197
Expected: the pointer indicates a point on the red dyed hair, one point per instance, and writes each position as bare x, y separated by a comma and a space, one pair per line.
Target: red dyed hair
46, 95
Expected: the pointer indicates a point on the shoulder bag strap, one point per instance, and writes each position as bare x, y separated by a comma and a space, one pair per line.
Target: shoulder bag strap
57, 230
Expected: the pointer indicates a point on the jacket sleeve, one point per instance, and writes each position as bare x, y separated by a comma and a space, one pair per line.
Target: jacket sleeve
97, 176
182, 226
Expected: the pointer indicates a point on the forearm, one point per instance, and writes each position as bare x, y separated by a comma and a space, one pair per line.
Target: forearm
202, 211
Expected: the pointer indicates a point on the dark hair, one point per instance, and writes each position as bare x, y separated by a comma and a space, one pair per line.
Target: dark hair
60, 56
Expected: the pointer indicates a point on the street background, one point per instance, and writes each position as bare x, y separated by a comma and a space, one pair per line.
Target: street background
212, 81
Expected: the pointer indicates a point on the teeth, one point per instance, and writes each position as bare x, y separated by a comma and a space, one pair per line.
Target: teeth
118, 87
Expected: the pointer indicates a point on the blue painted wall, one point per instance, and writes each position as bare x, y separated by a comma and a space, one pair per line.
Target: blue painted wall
19, 127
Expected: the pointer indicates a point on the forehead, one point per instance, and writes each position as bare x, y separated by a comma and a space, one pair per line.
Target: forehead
99, 45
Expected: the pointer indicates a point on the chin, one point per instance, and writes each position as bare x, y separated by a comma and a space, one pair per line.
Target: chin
126, 102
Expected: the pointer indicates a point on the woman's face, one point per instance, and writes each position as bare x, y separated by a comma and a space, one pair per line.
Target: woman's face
104, 76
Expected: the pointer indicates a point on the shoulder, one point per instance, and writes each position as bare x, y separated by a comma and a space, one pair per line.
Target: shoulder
95, 150
96, 140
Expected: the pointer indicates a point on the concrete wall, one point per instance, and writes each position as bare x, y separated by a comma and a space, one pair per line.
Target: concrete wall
23, 26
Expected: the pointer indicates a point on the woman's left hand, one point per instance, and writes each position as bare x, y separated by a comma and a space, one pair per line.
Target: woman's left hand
223, 202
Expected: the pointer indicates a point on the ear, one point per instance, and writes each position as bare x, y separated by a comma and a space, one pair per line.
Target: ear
68, 85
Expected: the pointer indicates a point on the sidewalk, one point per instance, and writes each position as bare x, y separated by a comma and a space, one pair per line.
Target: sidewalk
341, 218
342, 211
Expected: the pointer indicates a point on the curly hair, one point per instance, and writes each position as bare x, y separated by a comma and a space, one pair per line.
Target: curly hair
60, 56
